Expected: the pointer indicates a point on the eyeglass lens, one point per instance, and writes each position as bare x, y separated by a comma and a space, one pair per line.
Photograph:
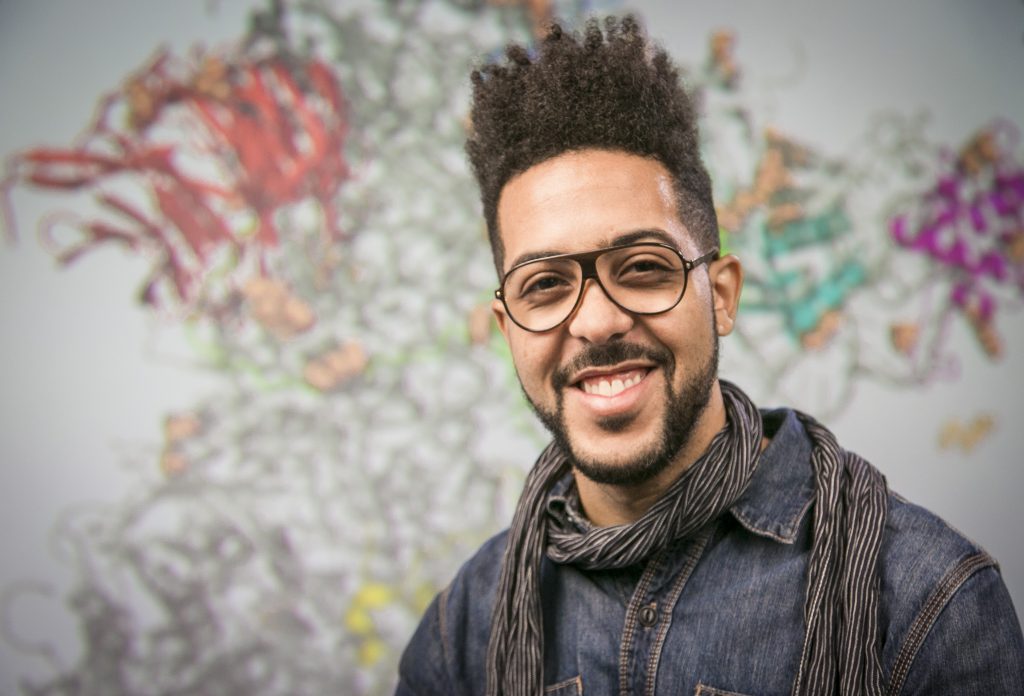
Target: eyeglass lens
644, 279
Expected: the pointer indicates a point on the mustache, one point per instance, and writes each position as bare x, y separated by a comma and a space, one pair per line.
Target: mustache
606, 354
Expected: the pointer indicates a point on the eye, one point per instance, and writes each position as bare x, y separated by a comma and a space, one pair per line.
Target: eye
647, 265
543, 283
646, 268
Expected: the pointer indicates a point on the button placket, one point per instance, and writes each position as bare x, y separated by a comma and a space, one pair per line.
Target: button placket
645, 629
694, 551
648, 615
636, 636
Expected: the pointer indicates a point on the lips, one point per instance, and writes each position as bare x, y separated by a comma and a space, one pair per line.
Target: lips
610, 381
614, 391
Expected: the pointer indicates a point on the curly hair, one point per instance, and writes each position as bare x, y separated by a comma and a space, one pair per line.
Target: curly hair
610, 90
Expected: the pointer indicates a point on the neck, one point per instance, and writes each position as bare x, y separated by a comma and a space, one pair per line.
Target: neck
606, 505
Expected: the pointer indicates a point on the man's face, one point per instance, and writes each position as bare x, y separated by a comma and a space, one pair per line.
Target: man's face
621, 392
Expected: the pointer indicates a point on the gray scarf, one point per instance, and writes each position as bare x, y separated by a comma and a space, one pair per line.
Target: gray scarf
840, 652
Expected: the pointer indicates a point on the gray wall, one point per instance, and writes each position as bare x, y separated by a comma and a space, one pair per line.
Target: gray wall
89, 376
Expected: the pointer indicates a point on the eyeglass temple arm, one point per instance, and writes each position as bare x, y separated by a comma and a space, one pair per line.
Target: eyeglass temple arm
710, 256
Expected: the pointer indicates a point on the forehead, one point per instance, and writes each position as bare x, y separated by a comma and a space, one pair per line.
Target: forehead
586, 200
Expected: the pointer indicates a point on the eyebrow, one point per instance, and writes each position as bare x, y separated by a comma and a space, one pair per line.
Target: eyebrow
624, 238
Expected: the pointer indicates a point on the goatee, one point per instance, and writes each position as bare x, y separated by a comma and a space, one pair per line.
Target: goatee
683, 410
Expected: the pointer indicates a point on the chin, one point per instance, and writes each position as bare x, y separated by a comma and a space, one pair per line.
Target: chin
631, 469
632, 450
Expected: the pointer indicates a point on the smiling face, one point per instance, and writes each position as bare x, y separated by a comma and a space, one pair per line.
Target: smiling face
633, 398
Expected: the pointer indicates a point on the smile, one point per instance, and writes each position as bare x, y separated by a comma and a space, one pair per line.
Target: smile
611, 384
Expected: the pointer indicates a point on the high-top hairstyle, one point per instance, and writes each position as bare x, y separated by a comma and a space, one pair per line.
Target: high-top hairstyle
611, 90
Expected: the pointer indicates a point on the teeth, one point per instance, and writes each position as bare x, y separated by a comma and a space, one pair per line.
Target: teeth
604, 387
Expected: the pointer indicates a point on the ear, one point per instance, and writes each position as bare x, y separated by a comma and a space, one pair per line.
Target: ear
501, 316
726, 276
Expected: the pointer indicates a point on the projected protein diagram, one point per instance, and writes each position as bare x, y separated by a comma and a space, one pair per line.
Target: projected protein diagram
857, 267
302, 203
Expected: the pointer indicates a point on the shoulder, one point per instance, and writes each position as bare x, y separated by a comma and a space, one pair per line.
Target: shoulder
920, 548
478, 576
465, 607
942, 592
448, 649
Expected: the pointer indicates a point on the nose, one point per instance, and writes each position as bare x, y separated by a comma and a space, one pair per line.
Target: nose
596, 318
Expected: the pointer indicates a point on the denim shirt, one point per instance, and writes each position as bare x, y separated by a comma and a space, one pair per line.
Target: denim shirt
721, 613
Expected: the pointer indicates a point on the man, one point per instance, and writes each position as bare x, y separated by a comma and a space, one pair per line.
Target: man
673, 539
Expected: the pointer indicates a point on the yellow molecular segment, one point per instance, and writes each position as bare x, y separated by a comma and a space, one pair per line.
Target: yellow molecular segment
359, 620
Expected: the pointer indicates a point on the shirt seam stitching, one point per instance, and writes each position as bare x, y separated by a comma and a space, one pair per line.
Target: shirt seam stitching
933, 606
578, 681
442, 621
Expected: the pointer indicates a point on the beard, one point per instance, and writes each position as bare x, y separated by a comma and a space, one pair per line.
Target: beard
683, 408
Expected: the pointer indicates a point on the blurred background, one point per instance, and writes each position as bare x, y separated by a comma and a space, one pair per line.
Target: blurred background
254, 411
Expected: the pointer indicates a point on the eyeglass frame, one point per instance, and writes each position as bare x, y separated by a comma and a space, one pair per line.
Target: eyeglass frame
587, 261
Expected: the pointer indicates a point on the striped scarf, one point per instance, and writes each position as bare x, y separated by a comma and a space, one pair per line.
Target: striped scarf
840, 652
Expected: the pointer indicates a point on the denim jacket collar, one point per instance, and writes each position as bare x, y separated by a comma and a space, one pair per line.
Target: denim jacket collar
564, 504
782, 488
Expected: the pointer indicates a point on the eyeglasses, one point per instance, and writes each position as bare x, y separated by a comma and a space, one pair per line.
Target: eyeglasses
641, 278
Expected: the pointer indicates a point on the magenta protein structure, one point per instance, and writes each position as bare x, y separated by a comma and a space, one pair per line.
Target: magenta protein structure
970, 225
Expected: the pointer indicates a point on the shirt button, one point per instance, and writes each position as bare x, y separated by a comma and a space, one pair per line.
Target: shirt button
649, 615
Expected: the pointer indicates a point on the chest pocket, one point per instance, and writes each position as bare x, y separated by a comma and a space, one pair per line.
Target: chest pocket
705, 690
569, 687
